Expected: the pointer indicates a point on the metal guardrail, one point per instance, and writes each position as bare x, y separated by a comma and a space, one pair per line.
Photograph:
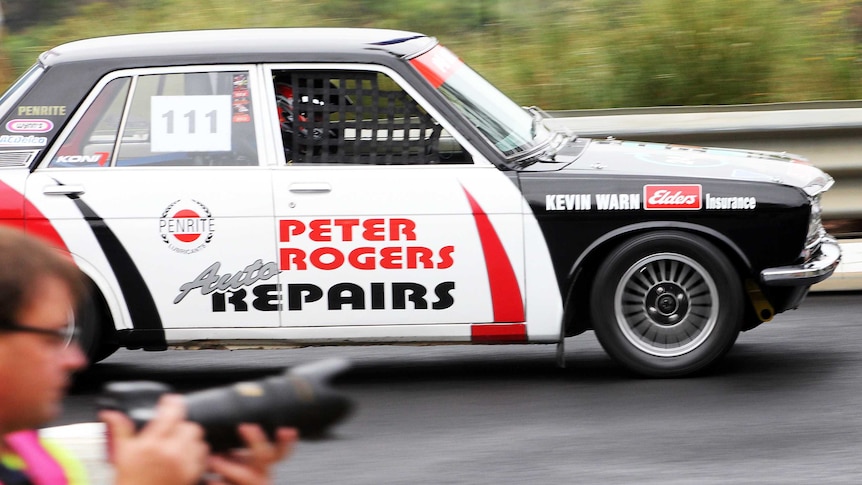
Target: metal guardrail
828, 134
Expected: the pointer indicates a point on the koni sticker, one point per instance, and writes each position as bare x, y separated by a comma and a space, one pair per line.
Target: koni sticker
186, 226
672, 197
29, 126
98, 158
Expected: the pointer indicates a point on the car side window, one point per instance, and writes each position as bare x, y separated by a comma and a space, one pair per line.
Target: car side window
357, 117
176, 119
92, 141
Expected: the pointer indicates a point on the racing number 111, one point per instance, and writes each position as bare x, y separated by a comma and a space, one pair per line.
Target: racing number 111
190, 123
169, 117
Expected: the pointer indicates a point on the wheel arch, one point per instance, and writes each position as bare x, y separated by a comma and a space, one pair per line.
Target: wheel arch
576, 314
106, 301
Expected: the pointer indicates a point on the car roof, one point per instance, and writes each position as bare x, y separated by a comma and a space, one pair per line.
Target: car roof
233, 43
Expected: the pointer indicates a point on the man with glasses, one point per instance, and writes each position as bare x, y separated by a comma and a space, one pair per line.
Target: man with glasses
38, 354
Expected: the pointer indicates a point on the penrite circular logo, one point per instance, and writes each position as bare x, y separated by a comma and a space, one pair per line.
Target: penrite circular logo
186, 226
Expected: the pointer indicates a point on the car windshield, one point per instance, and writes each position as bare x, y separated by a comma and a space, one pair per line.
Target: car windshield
511, 128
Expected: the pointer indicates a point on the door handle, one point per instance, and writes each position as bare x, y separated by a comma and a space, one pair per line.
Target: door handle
310, 188
63, 190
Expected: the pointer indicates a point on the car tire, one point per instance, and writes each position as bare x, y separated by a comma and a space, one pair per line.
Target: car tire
91, 335
666, 304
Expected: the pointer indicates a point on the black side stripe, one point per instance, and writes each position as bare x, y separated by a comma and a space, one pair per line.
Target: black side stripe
139, 300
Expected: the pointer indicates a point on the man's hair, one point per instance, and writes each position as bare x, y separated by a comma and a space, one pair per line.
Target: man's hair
24, 262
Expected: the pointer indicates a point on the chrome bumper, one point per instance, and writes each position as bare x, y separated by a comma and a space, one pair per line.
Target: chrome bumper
821, 266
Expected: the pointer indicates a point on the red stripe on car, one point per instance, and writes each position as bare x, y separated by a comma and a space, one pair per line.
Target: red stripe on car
11, 207
489, 334
505, 292
15, 209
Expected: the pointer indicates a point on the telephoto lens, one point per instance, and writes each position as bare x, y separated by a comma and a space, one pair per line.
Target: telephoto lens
301, 398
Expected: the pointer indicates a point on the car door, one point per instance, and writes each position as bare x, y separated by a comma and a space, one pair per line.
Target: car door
386, 219
159, 187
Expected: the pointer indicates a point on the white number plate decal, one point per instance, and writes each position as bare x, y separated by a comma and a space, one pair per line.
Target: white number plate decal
190, 123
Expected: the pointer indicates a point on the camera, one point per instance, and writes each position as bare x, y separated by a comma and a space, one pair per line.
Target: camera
301, 398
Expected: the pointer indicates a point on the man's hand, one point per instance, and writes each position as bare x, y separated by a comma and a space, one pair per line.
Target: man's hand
168, 449
251, 465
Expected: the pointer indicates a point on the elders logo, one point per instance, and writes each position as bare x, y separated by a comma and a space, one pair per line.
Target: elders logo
186, 226
672, 197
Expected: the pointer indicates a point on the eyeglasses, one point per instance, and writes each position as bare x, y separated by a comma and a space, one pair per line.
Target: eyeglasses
64, 336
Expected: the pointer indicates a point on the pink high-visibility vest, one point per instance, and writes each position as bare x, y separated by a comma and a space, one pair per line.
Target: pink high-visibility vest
41, 467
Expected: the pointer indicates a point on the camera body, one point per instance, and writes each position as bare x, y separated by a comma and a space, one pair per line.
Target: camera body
299, 398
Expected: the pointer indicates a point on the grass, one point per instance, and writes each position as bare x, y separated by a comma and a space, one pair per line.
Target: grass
558, 54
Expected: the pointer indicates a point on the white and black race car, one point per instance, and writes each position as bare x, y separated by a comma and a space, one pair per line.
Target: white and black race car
241, 188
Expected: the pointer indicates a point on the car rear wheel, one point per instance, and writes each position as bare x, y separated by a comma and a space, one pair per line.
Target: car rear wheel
95, 341
666, 304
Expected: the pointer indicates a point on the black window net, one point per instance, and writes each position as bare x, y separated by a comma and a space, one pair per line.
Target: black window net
354, 117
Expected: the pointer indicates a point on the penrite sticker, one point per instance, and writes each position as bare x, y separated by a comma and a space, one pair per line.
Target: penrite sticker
186, 226
41, 110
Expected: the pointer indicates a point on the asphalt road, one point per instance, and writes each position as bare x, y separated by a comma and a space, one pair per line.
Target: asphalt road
785, 406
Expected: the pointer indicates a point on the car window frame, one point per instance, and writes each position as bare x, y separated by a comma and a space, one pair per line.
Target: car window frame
15, 92
272, 126
265, 149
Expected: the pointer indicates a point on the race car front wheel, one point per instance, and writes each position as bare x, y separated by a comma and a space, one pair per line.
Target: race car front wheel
666, 304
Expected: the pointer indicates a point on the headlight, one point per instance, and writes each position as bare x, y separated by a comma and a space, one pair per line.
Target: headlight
816, 233
815, 229
819, 185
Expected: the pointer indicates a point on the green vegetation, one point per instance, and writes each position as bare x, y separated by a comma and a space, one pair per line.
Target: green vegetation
558, 54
